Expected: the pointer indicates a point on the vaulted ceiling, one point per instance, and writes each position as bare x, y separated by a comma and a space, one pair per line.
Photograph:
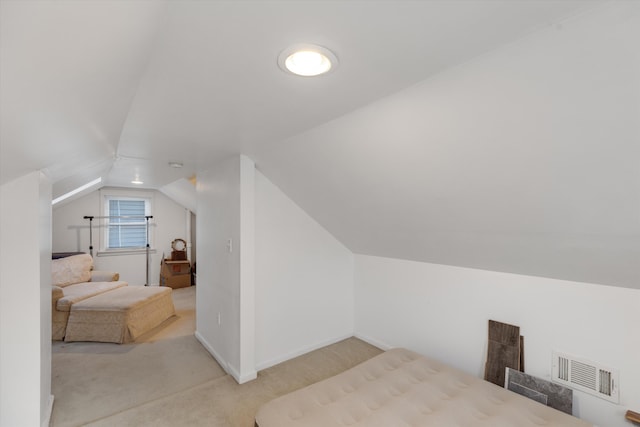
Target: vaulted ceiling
433, 140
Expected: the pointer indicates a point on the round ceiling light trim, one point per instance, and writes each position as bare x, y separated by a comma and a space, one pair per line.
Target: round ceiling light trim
137, 180
307, 60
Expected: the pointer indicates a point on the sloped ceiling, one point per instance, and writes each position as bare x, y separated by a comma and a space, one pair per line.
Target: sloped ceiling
68, 74
126, 87
526, 160
418, 146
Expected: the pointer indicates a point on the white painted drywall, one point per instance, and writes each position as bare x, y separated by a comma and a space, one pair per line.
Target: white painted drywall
286, 287
71, 233
25, 301
183, 192
218, 289
81, 86
247, 269
524, 160
304, 280
442, 311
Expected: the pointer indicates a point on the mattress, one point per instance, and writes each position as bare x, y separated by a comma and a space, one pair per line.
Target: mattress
402, 388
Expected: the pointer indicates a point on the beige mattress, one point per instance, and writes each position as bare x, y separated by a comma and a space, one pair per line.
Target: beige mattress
402, 388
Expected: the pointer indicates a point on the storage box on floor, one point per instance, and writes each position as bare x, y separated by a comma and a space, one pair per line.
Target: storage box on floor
175, 274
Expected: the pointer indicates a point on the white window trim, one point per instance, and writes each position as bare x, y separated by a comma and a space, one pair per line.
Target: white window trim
103, 224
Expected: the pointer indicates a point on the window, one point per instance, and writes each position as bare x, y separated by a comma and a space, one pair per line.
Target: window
126, 226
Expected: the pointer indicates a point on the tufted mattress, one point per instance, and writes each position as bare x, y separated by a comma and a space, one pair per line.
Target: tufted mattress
402, 388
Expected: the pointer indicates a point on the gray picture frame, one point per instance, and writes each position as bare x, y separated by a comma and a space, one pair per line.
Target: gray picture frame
542, 391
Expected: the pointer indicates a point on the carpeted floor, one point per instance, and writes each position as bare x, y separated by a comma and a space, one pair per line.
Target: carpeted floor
167, 378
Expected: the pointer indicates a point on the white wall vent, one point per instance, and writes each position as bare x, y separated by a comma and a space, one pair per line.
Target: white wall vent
584, 375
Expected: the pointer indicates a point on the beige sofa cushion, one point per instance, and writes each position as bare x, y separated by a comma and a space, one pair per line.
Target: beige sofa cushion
70, 270
104, 276
82, 291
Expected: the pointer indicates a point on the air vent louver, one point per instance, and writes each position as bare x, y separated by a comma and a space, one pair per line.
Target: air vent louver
584, 375
563, 368
605, 382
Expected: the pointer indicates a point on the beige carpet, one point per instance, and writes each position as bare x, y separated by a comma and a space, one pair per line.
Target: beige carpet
168, 379
94, 380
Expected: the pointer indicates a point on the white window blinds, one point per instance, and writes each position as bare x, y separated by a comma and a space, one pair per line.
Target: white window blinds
127, 227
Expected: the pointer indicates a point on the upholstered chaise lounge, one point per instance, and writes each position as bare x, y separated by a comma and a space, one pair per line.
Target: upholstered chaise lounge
73, 280
99, 307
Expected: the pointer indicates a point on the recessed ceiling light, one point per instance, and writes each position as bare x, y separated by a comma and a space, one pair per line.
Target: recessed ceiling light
176, 165
307, 60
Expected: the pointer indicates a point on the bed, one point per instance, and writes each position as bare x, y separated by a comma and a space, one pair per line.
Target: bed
402, 388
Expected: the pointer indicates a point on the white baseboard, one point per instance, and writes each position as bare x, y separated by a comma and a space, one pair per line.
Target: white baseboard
228, 368
223, 363
306, 349
374, 342
47, 420
241, 379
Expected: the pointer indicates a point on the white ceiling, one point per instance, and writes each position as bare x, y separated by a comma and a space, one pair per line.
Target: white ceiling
117, 87
114, 89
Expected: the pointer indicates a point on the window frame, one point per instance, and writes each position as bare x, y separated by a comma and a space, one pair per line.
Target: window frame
105, 197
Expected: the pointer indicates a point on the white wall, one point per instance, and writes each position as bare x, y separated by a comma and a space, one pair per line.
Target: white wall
183, 191
442, 311
25, 301
224, 319
304, 280
71, 233
247, 269
284, 289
